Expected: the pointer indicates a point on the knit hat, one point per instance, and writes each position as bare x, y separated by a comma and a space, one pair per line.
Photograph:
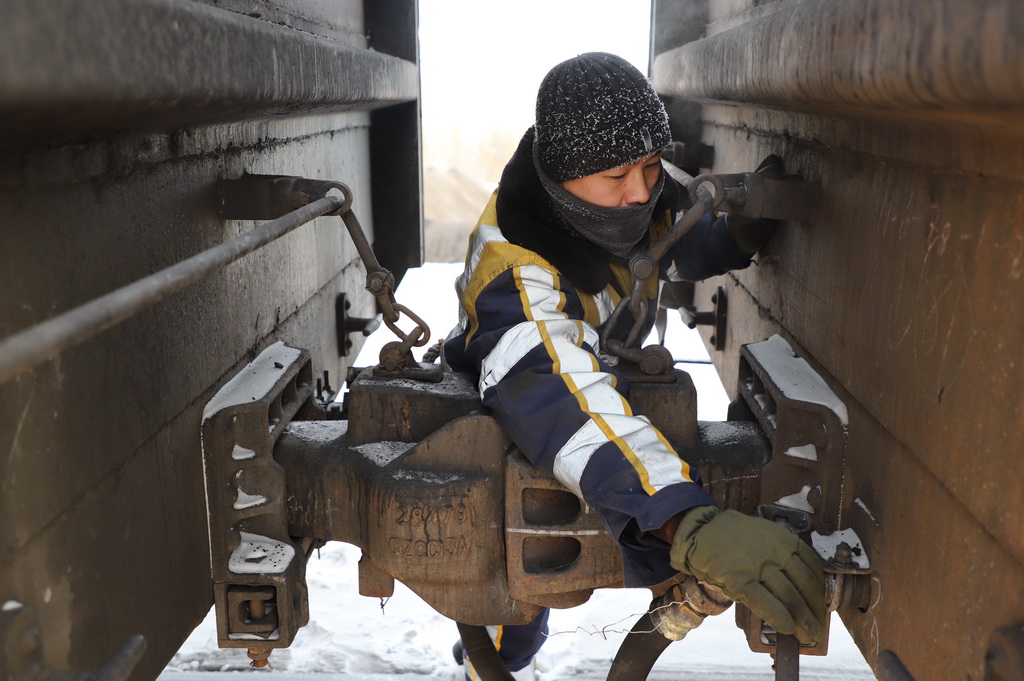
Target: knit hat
595, 112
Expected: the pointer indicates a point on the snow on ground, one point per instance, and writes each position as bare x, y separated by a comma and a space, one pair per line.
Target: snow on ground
403, 639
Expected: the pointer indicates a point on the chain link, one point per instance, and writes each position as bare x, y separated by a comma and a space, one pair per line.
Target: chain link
643, 266
380, 283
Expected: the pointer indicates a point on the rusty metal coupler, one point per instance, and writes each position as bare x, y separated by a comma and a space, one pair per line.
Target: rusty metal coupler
257, 558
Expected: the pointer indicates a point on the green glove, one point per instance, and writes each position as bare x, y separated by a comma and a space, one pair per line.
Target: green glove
755, 562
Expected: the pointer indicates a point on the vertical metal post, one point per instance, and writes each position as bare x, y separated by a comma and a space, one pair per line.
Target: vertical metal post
787, 658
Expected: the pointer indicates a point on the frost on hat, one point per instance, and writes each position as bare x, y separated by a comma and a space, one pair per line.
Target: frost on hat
595, 112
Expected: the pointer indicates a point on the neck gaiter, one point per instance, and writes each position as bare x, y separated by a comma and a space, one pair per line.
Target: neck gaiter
617, 230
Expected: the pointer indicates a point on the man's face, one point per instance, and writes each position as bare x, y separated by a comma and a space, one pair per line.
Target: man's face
619, 187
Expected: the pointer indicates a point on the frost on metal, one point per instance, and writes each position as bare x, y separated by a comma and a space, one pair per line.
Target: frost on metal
246, 500
274, 636
864, 507
762, 402
240, 453
719, 433
433, 477
795, 377
797, 501
383, 453
323, 432
255, 380
259, 555
809, 452
825, 546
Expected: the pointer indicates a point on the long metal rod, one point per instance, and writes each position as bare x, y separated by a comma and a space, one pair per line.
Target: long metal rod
787, 658
39, 343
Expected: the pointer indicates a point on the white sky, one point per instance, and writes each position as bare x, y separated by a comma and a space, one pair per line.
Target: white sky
481, 61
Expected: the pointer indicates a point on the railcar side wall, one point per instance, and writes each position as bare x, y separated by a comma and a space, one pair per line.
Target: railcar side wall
120, 118
905, 290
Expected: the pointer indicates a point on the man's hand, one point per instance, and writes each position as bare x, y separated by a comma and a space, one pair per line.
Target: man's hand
750, 234
755, 562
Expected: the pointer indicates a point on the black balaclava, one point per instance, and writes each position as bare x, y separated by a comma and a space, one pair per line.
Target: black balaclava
596, 112
616, 230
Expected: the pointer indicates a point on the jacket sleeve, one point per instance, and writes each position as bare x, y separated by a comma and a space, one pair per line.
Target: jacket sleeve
564, 407
707, 250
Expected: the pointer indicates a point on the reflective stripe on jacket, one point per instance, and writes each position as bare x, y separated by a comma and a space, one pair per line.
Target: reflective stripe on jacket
533, 340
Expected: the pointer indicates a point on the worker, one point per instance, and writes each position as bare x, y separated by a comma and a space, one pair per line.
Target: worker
546, 265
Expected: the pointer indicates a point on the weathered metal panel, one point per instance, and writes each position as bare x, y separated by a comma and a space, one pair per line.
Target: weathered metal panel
87, 470
72, 68
119, 120
904, 290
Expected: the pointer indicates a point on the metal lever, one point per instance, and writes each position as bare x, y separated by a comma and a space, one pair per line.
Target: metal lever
750, 195
261, 197
753, 195
33, 346
670, 617
643, 266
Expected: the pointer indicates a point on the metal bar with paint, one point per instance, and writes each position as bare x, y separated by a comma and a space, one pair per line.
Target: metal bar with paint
39, 343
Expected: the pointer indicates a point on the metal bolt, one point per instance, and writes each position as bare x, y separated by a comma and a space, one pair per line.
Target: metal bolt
820, 437
260, 657
844, 554
655, 360
377, 283
642, 266
814, 497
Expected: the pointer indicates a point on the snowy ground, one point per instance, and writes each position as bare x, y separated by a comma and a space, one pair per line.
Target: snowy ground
405, 640
362, 639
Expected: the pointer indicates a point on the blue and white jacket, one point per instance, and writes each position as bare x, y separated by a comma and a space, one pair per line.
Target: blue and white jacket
534, 297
